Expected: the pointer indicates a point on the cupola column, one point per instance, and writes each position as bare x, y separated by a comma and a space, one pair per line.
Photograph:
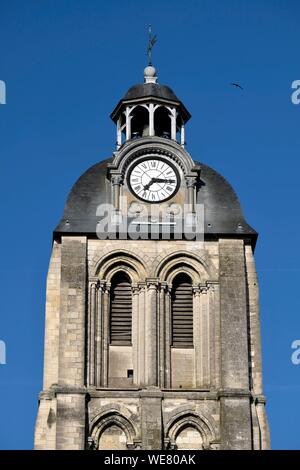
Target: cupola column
182, 134
128, 122
133, 122
173, 116
151, 119
119, 133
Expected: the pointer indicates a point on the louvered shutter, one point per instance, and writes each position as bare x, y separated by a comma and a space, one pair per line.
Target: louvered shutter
120, 310
182, 312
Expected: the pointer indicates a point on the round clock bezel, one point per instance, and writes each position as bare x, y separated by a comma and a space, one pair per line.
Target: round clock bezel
154, 157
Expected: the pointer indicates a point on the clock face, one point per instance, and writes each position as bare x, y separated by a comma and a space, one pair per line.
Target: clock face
153, 180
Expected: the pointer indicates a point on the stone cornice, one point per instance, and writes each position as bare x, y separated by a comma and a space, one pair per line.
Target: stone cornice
135, 392
234, 393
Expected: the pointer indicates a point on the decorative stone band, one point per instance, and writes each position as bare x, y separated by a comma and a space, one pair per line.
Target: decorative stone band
104, 286
64, 389
199, 394
234, 393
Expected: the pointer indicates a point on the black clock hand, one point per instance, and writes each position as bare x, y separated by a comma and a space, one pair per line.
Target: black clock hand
161, 180
157, 180
147, 186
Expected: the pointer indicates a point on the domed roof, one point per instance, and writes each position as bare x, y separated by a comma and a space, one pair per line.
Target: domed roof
150, 90
142, 90
222, 210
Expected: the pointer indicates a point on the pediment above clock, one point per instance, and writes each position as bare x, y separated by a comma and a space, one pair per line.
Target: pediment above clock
149, 146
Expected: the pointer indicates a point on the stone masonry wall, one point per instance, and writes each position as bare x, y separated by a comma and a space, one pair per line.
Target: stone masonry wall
217, 392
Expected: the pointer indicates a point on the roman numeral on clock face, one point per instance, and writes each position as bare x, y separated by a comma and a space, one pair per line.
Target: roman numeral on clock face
153, 179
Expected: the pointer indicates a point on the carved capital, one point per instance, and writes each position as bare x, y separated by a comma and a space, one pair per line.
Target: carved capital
211, 285
141, 286
117, 179
203, 288
196, 290
191, 181
101, 285
135, 289
152, 283
164, 286
104, 286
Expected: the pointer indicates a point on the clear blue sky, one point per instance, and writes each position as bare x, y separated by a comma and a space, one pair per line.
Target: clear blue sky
66, 64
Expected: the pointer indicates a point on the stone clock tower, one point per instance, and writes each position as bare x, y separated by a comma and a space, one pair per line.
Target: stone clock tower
152, 334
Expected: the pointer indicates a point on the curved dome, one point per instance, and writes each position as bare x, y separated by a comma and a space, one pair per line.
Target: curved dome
222, 210
154, 91
143, 90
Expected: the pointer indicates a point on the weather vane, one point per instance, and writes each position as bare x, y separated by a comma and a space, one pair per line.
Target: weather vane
152, 40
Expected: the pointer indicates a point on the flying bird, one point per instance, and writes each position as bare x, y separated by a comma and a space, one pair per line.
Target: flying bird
237, 85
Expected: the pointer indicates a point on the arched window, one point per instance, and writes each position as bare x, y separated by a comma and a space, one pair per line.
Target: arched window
113, 438
120, 310
139, 122
189, 438
182, 311
162, 122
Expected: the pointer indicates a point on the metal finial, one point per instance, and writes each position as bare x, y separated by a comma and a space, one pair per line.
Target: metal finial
152, 40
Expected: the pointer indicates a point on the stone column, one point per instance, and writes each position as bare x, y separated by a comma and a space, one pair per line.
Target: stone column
91, 332
116, 181
205, 335
142, 334
235, 395
70, 419
151, 332
190, 200
135, 333
162, 335
106, 334
214, 332
197, 336
99, 335
168, 336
